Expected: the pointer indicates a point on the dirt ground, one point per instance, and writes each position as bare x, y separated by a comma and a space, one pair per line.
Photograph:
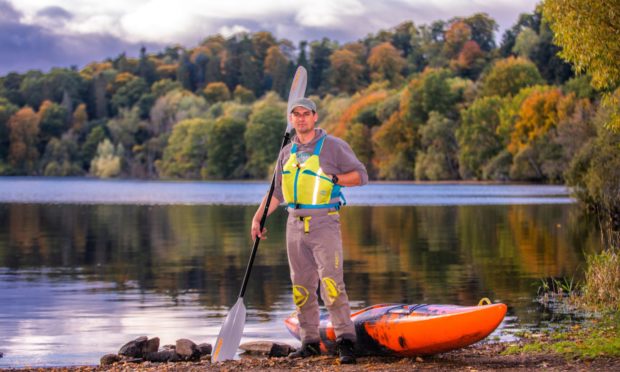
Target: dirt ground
475, 358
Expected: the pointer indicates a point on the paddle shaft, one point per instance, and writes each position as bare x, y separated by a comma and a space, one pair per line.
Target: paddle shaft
263, 219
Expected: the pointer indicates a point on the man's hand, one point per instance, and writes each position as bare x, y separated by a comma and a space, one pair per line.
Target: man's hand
255, 231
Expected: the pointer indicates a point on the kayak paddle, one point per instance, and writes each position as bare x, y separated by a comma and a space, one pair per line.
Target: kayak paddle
230, 334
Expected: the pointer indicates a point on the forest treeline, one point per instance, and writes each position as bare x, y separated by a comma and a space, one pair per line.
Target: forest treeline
416, 102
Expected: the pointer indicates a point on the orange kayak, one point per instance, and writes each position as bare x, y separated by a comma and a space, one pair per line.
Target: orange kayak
409, 330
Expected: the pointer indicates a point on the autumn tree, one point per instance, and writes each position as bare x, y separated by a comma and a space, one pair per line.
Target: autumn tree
394, 144
79, 118
483, 29
457, 34
386, 63
24, 137
588, 34
216, 92
108, 160
508, 76
276, 69
243, 94
173, 107
345, 72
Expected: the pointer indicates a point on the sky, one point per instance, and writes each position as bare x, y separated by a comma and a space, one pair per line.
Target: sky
41, 34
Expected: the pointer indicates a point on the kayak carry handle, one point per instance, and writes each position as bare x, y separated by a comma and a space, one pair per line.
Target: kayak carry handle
484, 301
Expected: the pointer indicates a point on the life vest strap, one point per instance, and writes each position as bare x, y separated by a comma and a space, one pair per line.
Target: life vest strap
314, 206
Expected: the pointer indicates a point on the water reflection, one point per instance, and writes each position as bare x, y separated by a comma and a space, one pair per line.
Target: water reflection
72, 274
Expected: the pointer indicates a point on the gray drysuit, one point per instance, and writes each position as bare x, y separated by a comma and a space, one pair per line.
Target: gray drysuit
314, 243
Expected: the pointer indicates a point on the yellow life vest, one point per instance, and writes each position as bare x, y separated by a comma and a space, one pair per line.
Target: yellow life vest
305, 185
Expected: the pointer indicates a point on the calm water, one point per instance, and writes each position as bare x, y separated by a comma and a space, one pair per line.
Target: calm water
87, 265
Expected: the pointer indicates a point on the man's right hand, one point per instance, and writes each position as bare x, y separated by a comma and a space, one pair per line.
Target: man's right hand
255, 231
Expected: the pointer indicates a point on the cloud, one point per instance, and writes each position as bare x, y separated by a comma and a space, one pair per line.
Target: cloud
43, 33
24, 47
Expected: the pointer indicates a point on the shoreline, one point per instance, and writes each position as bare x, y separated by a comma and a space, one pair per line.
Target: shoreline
479, 357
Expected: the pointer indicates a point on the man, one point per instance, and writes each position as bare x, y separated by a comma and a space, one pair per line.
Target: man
310, 172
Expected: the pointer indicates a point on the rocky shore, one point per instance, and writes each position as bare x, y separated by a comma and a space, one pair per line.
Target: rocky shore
479, 357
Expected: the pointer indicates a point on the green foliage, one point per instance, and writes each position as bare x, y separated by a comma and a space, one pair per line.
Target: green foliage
581, 86
173, 107
185, 156
498, 167
394, 144
429, 92
263, 136
124, 128
53, 122
358, 136
593, 339
136, 102
243, 94
509, 76
437, 158
388, 107
226, 149
601, 290
595, 173
216, 92
525, 43
89, 148
477, 136
59, 159
129, 94
7, 109
163, 86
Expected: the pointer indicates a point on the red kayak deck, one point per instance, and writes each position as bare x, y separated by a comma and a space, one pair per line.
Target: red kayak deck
409, 330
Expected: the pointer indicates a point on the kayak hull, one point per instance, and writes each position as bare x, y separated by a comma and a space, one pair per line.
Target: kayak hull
410, 330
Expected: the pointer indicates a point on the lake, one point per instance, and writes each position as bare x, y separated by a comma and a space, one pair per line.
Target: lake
87, 265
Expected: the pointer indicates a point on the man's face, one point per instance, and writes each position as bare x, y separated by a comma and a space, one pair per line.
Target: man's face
303, 120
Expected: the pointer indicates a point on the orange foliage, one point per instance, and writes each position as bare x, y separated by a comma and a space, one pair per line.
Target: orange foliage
346, 70
386, 63
168, 71
354, 109
95, 68
24, 131
538, 113
469, 54
456, 36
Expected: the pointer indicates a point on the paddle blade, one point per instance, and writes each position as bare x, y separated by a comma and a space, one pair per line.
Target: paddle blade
230, 334
298, 89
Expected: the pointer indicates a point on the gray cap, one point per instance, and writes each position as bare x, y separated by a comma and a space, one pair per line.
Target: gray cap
305, 103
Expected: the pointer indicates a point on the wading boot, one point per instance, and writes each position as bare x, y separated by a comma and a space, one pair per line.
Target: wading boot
346, 351
307, 350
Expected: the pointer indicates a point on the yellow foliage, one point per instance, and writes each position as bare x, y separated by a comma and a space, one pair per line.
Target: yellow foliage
95, 68
167, 71
538, 113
